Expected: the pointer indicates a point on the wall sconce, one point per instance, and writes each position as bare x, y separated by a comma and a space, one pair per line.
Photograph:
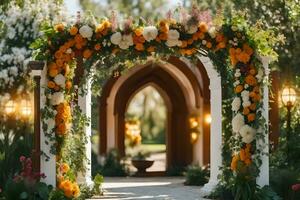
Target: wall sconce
194, 137
208, 118
194, 122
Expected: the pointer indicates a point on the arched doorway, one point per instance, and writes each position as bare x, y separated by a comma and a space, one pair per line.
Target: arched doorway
147, 117
186, 89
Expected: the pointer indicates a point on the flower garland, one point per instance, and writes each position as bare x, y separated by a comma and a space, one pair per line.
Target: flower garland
106, 45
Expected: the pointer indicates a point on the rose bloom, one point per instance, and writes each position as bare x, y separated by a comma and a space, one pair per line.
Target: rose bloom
296, 187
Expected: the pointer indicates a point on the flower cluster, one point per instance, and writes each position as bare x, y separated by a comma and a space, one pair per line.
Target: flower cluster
27, 174
70, 188
241, 159
21, 26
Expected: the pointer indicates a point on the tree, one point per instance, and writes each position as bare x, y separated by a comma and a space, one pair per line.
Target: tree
147, 9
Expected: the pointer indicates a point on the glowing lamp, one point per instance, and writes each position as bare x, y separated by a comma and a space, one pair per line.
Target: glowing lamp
288, 96
10, 107
208, 119
25, 108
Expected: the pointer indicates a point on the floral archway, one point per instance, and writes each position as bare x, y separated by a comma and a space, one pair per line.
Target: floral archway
101, 48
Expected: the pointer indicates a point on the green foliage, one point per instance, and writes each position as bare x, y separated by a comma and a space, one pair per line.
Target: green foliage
23, 190
57, 195
196, 175
12, 146
175, 171
141, 155
281, 180
112, 165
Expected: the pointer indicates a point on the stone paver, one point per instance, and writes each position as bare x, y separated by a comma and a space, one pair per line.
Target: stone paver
161, 188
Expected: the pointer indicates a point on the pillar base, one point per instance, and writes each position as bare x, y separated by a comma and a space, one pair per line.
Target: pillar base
208, 188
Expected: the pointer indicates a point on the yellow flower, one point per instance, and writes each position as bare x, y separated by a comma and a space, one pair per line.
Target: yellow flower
73, 30
59, 27
64, 168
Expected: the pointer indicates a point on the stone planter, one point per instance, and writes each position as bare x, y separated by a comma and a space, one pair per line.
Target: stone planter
142, 165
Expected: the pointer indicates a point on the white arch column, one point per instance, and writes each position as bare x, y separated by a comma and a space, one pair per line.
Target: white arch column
263, 178
85, 104
216, 125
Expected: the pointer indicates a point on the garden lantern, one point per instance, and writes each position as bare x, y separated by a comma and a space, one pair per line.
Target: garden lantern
288, 97
25, 108
10, 107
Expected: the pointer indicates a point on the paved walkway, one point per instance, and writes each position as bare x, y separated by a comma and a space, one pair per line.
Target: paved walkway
161, 188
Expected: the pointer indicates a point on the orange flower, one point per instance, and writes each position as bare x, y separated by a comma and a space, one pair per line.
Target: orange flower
59, 27
163, 36
87, 53
209, 45
253, 71
252, 107
248, 162
163, 26
238, 89
151, 49
79, 39
51, 84
256, 89
100, 28
190, 41
73, 30
242, 155
203, 27
97, 47
246, 111
251, 117
68, 85
64, 168
201, 35
59, 62
138, 39
220, 37
243, 57
52, 72
184, 44
234, 161
58, 54
139, 31
221, 45
248, 49
251, 80
139, 47
61, 129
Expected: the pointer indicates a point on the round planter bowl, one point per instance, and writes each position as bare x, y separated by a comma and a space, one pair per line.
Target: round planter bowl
142, 165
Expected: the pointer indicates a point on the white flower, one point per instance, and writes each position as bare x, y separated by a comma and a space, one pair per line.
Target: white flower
50, 124
86, 31
192, 29
126, 41
236, 83
238, 122
246, 104
116, 38
260, 75
57, 98
173, 34
150, 33
212, 32
69, 51
245, 95
204, 42
60, 80
236, 104
247, 133
173, 38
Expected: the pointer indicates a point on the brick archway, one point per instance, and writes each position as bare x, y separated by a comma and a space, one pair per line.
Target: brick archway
185, 101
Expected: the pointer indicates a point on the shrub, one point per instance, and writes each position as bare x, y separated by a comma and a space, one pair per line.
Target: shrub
26, 185
112, 165
175, 171
196, 175
282, 180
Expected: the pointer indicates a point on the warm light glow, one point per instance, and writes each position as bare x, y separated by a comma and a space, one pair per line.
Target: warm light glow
194, 137
10, 107
25, 108
208, 118
194, 122
288, 96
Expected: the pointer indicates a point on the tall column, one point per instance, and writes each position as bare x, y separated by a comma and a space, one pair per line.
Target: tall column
85, 104
216, 125
263, 178
47, 160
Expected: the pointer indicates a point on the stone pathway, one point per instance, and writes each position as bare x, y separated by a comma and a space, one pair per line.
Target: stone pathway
161, 188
